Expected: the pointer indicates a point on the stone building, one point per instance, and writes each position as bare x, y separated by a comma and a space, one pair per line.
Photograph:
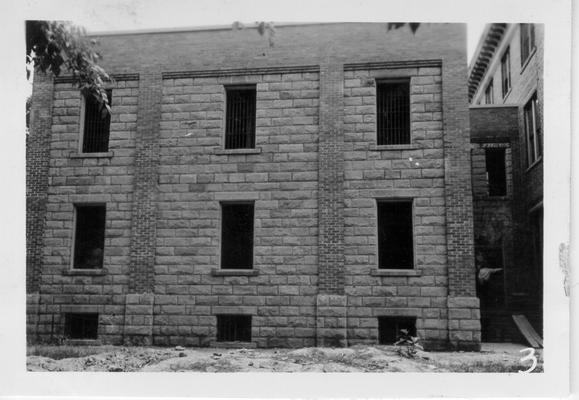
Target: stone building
506, 114
314, 192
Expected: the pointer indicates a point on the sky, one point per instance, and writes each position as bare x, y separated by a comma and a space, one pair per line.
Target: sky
122, 15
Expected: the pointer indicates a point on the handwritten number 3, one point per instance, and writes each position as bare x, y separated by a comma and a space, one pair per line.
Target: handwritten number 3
530, 356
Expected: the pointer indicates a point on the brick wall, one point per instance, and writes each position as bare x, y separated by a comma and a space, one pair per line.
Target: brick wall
314, 178
74, 180
279, 176
414, 172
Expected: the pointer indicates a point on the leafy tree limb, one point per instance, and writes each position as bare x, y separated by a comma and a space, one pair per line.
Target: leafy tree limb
57, 45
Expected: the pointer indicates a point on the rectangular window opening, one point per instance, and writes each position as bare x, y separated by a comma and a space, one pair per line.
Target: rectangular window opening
89, 236
240, 117
393, 112
81, 325
527, 41
237, 235
395, 235
496, 171
97, 122
390, 328
489, 93
234, 328
506, 72
532, 130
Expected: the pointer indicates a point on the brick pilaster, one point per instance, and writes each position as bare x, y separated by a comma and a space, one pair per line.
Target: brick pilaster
331, 301
139, 303
37, 165
144, 209
459, 206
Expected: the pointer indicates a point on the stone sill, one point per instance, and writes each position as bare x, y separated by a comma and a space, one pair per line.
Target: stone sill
234, 272
82, 342
107, 154
257, 150
386, 147
234, 345
395, 272
85, 272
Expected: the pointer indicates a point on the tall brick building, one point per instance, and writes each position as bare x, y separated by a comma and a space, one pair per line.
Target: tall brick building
317, 192
506, 114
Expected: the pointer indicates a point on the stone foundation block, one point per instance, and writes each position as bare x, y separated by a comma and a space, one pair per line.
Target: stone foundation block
464, 329
138, 330
331, 320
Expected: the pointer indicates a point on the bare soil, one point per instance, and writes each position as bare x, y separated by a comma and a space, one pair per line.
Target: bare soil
492, 358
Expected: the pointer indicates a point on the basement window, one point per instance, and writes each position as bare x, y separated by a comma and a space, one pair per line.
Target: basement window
96, 125
390, 328
395, 235
81, 325
496, 171
89, 235
393, 112
237, 235
240, 117
234, 328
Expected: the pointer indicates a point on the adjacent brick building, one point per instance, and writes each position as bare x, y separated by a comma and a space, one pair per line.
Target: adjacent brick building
317, 192
506, 114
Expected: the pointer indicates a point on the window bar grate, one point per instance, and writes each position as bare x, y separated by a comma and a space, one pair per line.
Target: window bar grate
240, 119
393, 109
96, 127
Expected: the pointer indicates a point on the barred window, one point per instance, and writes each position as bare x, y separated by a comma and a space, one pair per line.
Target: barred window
393, 112
489, 93
506, 72
232, 328
89, 236
527, 41
395, 235
97, 122
237, 235
240, 117
532, 131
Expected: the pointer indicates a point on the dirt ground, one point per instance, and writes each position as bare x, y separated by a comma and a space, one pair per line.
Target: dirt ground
492, 358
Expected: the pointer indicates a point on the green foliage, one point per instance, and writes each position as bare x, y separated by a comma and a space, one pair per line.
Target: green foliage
407, 345
53, 46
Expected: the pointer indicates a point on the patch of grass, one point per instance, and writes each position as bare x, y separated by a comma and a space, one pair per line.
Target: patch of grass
60, 352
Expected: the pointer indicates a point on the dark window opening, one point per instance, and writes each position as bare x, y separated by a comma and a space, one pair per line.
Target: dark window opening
489, 93
532, 130
395, 235
89, 236
527, 41
393, 112
240, 118
390, 328
237, 236
496, 171
506, 72
97, 123
231, 328
81, 325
